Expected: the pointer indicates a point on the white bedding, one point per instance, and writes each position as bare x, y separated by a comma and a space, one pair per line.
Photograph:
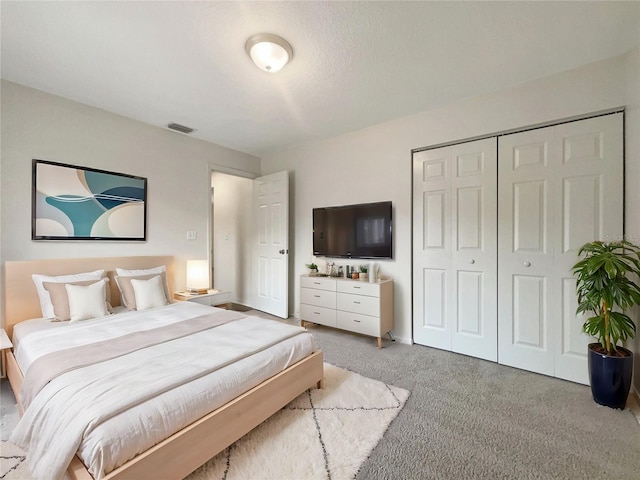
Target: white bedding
129, 431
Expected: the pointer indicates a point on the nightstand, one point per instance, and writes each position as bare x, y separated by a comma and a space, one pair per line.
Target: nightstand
213, 299
5, 344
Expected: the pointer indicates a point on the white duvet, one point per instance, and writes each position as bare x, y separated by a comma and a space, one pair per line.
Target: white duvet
111, 411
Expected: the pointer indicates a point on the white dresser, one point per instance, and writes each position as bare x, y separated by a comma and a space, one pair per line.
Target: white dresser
352, 305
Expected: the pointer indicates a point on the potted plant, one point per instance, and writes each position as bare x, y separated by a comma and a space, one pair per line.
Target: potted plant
313, 268
364, 276
605, 287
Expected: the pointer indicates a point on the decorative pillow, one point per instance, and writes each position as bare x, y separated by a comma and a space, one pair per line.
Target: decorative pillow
60, 298
86, 302
127, 293
45, 300
121, 272
148, 293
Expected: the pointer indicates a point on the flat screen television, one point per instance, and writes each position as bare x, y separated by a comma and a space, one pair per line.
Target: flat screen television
353, 231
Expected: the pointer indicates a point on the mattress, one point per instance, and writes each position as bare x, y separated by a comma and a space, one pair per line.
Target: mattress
129, 432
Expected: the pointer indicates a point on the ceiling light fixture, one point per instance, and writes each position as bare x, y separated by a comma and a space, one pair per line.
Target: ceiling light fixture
269, 52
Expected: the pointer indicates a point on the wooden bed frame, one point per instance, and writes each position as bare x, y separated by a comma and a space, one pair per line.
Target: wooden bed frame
186, 450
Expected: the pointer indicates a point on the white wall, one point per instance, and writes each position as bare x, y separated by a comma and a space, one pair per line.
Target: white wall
632, 175
375, 164
233, 225
47, 127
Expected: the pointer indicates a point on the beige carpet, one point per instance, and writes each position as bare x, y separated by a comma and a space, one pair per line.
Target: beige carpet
323, 434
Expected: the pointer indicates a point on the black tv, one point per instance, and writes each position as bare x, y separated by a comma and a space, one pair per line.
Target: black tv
353, 231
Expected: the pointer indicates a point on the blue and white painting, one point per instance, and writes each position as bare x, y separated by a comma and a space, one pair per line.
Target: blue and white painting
78, 203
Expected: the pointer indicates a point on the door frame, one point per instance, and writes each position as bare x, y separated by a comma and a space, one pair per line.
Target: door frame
210, 219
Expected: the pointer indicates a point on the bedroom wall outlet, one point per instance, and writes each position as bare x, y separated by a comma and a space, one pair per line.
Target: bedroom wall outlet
192, 235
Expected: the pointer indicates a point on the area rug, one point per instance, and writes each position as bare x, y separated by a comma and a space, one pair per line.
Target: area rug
12, 464
323, 434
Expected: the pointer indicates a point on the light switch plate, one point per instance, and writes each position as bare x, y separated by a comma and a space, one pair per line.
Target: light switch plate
192, 235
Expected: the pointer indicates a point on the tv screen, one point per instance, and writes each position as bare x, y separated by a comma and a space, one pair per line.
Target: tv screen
353, 231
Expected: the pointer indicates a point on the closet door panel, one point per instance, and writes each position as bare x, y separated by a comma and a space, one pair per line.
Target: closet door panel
455, 248
435, 220
560, 187
469, 303
435, 301
525, 251
529, 232
432, 248
474, 255
590, 191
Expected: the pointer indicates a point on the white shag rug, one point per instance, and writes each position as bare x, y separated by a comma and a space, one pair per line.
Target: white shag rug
323, 434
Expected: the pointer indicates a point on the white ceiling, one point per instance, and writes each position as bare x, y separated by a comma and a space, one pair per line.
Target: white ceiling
355, 64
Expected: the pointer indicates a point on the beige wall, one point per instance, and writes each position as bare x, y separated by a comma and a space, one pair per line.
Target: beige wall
375, 164
47, 127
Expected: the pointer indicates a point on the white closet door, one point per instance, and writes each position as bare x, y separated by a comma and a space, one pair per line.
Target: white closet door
527, 299
559, 187
590, 193
455, 275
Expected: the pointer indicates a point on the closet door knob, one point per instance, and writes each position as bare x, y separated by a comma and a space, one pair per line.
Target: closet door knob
472, 261
527, 264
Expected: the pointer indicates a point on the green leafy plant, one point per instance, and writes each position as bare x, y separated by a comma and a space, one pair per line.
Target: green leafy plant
312, 266
363, 269
605, 288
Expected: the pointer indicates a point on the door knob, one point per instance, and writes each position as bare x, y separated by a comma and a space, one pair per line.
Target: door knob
472, 261
527, 264
281, 252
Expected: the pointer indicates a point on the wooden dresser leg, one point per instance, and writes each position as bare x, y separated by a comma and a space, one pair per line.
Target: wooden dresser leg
379, 343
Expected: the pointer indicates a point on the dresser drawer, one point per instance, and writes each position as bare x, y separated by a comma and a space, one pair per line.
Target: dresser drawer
321, 283
315, 314
359, 304
358, 323
359, 288
321, 298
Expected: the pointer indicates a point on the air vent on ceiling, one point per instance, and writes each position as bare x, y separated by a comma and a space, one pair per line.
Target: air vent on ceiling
180, 128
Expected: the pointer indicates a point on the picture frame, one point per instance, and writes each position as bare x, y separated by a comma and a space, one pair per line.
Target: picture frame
71, 202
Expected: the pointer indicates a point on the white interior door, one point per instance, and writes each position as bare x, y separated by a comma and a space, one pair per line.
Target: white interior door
271, 211
559, 187
455, 265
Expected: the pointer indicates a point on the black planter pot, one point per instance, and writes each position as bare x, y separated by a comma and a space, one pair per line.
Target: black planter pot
610, 377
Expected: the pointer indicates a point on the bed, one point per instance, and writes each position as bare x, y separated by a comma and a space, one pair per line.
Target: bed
202, 437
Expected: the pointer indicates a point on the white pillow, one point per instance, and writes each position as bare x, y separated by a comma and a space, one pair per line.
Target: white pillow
122, 272
87, 302
45, 300
149, 293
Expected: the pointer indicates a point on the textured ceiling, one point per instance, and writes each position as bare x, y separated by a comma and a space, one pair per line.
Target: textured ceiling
355, 64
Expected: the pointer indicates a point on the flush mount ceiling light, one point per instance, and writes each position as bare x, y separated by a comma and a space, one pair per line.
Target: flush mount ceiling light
269, 52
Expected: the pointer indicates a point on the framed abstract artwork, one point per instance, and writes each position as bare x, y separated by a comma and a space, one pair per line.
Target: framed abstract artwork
80, 203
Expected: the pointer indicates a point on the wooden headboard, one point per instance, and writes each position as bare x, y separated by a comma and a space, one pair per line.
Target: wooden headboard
21, 299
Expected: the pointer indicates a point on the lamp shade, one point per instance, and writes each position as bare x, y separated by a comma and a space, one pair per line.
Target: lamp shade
269, 52
197, 274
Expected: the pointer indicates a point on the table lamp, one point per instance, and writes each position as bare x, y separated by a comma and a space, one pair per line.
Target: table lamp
198, 276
